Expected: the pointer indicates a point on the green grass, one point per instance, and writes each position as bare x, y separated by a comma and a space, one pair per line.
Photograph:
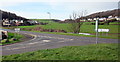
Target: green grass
55, 25
32, 26
43, 20
85, 28
11, 35
91, 28
87, 52
115, 23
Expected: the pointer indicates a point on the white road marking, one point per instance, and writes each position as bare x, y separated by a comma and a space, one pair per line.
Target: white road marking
15, 48
66, 39
46, 40
33, 43
61, 41
35, 36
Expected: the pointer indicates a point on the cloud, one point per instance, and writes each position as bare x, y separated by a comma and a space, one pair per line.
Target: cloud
7, 3
57, 7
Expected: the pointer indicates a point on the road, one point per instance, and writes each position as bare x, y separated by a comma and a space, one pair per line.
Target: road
49, 41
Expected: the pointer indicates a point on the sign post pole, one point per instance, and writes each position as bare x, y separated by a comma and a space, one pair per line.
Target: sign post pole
0, 34
0, 25
17, 31
96, 29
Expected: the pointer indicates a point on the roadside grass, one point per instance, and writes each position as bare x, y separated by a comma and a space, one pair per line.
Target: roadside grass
71, 34
101, 35
12, 35
86, 52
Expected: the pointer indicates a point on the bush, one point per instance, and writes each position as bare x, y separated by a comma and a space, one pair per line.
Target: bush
12, 39
4, 37
7, 41
4, 41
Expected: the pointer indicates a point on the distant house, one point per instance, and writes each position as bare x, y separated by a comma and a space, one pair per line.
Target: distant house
117, 18
90, 19
32, 22
6, 22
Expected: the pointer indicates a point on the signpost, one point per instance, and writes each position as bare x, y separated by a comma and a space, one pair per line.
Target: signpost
0, 35
103, 30
96, 29
17, 30
99, 30
0, 25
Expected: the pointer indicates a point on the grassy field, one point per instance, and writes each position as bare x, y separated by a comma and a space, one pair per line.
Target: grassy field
85, 28
11, 35
87, 52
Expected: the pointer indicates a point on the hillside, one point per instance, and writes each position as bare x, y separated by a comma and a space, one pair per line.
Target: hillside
11, 16
114, 12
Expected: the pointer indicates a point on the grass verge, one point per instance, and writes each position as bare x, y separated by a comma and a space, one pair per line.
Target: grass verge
13, 35
86, 52
72, 34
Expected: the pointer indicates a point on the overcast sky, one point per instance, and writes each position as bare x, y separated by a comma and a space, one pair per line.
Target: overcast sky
59, 9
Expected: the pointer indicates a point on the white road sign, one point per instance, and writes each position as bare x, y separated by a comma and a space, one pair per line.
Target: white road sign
17, 29
103, 30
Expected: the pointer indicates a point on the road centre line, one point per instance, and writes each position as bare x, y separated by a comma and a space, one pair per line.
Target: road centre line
56, 38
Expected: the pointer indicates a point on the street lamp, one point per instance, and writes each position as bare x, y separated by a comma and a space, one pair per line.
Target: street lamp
49, 15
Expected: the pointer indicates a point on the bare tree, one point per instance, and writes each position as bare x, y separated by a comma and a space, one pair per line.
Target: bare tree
75, 23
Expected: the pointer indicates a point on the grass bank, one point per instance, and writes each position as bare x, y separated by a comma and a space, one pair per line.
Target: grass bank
87, 52
11, 36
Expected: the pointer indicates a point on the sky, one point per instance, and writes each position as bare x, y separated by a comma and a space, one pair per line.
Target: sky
59, 9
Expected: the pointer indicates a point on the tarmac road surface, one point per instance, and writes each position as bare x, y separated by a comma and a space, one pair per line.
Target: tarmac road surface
49, 41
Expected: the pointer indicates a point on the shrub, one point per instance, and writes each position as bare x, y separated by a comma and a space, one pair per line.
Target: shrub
7, 41
4, 41
12, 39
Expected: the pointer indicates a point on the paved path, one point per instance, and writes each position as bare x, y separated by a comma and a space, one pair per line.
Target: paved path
49, 41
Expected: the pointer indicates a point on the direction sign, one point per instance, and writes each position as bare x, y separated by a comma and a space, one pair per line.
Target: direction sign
103, 30
17, 29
